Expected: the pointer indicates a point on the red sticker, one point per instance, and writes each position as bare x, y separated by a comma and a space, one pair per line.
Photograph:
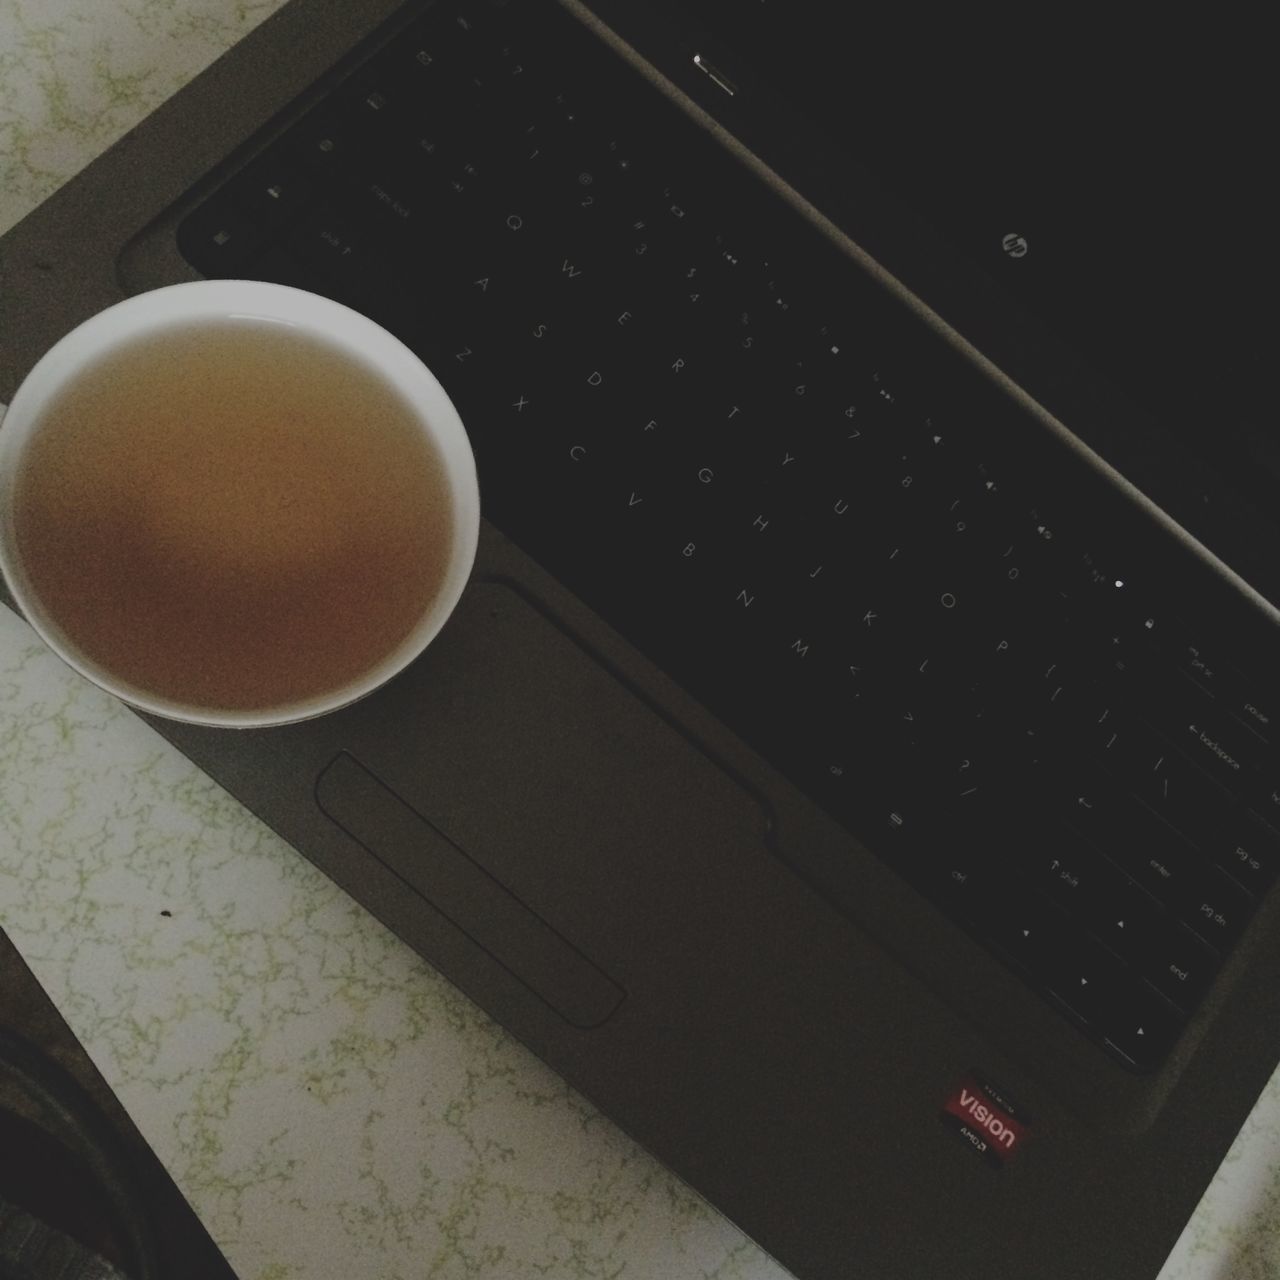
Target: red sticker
986, 1119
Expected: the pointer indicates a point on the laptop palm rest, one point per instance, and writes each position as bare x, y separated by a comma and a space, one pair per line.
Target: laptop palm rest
517, 787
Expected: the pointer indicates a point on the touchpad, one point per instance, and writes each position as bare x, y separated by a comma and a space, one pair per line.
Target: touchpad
469, 897
536, 805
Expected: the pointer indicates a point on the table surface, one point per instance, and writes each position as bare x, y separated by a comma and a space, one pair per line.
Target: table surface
329, 1105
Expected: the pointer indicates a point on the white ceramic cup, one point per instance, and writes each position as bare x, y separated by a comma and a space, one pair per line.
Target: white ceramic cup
214, 301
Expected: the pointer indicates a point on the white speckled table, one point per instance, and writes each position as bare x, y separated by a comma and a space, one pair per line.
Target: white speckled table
330, 1106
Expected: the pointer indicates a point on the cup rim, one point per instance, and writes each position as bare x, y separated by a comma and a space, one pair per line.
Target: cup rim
330, 321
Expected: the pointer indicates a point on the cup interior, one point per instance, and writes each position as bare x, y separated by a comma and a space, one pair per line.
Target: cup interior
352, 336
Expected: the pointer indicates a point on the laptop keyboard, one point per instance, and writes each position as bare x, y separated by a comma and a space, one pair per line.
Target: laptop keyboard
748, 471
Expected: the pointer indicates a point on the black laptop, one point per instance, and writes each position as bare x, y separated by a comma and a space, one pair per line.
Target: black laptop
855, 763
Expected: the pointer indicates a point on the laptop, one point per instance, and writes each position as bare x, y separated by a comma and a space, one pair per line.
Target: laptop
854, 763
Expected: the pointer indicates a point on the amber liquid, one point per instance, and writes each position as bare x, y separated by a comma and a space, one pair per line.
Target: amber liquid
234, 516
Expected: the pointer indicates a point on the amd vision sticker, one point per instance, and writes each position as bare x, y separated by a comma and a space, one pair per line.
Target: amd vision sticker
985, 1118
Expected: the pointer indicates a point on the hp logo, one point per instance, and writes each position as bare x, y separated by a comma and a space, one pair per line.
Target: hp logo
1015, 245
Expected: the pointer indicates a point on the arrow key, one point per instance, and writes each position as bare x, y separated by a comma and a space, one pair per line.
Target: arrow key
1086, 977
1142, 1027
1027, 929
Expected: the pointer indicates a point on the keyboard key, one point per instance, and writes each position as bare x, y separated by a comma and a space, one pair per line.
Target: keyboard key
1213, 906
1176, 964
1254, 706
220, 238
273, 190
1076, 876
1089, 979
325, 145
1216, 742
1246, 850
1141, 1025
1183, 795
1264, 794
345, 256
